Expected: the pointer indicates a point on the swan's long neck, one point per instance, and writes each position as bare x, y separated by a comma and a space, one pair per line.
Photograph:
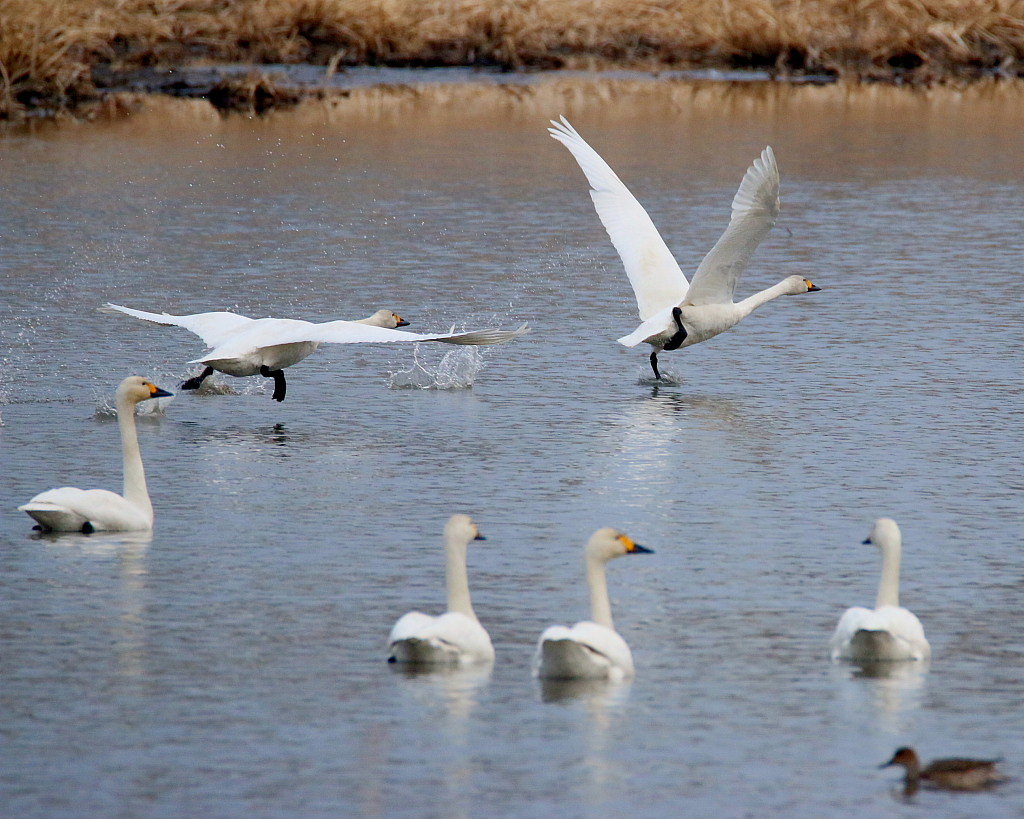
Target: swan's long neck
600, 605
751, 303
889, 587
134, 475
457, 578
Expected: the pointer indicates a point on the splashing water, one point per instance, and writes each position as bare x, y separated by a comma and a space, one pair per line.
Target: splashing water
154, 408
668, 379
457, 370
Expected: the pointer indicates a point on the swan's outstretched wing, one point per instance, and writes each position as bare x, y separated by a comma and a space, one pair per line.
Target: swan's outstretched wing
212, 328
656, 278
754, 209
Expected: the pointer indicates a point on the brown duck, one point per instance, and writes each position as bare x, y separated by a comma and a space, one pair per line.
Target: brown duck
947, 774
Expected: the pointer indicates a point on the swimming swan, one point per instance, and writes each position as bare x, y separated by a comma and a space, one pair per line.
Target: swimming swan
673, 313
590, 649
242, 346
455, 637
86, 510
887, 632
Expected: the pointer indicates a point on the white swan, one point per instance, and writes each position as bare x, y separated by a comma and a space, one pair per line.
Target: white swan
243, 346
455, 637
673, 313
888, 631
86, 510
591, 649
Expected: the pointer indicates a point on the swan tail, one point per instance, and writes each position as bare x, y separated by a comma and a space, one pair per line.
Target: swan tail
870, 644
484, 337
422, 651
567, 659
53, 517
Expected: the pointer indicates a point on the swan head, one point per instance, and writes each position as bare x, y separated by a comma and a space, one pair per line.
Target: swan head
462, 529
606, 544
387, 318
885, 533
136, 389
795, 285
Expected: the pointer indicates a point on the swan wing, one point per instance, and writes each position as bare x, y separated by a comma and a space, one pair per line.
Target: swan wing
902, 631
212, 328
754, 211
452, 637
586, 650
653, 272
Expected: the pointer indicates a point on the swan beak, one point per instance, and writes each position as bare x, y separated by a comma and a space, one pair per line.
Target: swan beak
640, 550
156, 392
479, 537
811, 287
401, 322
866, 542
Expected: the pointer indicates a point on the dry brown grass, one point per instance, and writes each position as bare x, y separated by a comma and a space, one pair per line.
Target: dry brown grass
49, 47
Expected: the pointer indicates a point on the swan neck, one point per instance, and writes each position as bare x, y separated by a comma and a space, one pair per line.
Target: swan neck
889, 587
751, 303
134, 475
457, 578
600, 605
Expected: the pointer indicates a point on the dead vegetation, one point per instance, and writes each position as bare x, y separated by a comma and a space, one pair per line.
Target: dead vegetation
49, 49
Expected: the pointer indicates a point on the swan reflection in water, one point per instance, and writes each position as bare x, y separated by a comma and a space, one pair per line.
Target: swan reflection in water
890, 691
455, 691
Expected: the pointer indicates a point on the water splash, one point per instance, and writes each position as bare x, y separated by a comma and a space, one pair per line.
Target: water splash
668, 379
154, 408
457, 370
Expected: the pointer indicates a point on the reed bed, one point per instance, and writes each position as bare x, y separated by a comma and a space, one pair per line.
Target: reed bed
50, 50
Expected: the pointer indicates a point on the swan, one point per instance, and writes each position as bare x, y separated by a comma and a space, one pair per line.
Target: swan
89, 510
242, 346
674, 314
591, 649
888, 631
455, 637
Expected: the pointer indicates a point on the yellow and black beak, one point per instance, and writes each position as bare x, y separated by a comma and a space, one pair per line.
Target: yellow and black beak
156, 392
867, 541
479, 537
811, 287
400, 322
634, 548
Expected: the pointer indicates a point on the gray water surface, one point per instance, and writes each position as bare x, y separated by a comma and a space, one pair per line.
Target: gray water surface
232, 663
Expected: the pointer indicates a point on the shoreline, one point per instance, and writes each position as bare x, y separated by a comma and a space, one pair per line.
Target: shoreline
68, 57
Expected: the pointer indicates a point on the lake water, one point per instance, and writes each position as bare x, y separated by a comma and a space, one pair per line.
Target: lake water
232, 664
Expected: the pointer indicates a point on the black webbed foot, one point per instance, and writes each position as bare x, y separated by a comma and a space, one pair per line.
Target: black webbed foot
280, 385
196, 381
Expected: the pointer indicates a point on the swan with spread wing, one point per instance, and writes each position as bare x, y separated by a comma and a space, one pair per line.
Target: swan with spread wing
675, 313
243, 346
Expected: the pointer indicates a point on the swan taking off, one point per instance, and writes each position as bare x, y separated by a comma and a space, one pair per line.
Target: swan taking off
92, 510
888, 631
675, 314
456, 637
243, 346
591, 649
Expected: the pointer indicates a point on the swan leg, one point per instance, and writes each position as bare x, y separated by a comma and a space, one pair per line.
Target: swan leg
654, 364
680, 335
194, 382
280, 387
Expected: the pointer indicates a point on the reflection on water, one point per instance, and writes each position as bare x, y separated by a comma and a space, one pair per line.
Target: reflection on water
887, 694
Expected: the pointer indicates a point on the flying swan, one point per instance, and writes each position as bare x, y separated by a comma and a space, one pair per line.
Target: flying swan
93, 510
242, 346
591, 649
455, 637
674, 314
888, 631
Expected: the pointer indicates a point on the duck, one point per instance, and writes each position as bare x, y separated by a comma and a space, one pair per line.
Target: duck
241, 346
888, 631
674, 313
955, 774
69, 509
591, 649
455, 637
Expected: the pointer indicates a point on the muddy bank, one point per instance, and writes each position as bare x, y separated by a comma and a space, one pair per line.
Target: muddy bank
71, 55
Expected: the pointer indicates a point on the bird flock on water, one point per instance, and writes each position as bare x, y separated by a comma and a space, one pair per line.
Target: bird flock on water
674, 314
